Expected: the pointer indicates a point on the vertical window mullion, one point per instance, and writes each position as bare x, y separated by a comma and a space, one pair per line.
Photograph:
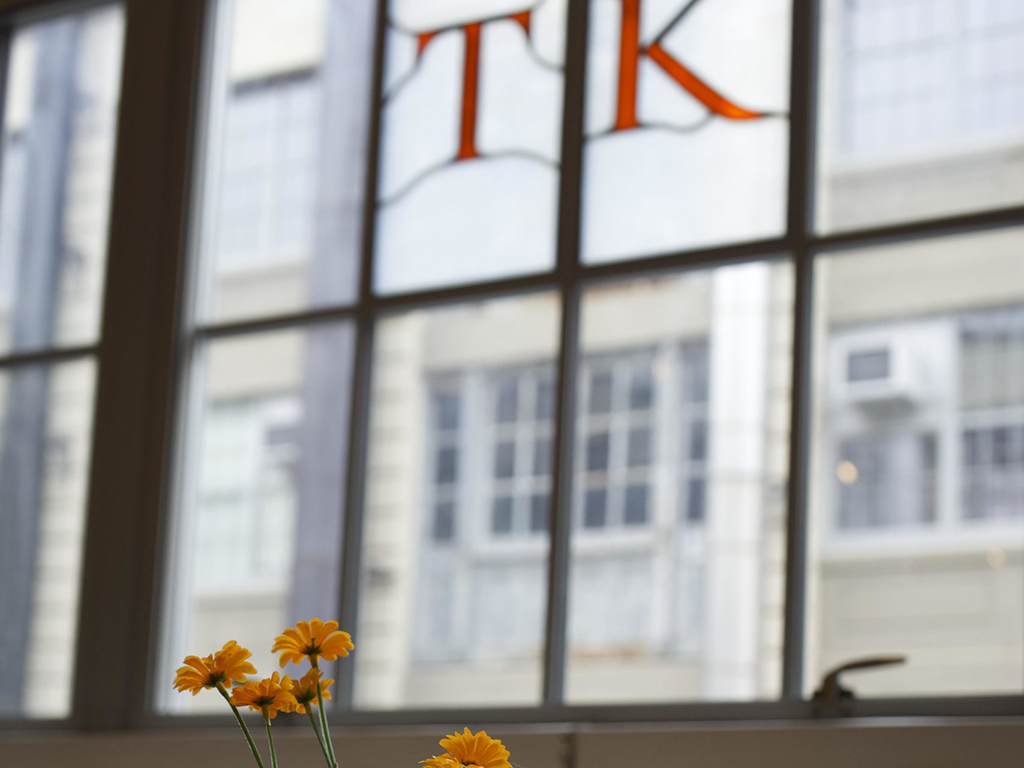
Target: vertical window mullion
132, 424
563, 437
359, 423
560, 517
803, 74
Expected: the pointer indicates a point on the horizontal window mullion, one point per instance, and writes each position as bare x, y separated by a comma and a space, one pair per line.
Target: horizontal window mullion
682, 713
31, 11
580, 274
274, 322
915, 230
49, 355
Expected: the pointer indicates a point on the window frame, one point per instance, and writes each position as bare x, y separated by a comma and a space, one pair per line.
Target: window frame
148, 331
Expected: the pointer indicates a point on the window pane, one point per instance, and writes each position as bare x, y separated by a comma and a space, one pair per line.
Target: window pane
671, 597
45, 438
886, 480
599, 399
458, 622
686, 125
636, 505
444, 521
446, 406
469, 160
285, 146
639, 454
259, 514
501, 515
917, 497
505, 460
539, 504
508, 401
597, 452
921, 109
545, 400
56, 158
447, 461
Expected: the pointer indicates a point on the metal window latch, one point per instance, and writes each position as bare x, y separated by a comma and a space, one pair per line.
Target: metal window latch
832, 692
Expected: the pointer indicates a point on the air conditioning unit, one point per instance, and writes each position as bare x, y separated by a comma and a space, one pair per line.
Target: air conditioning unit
878, 374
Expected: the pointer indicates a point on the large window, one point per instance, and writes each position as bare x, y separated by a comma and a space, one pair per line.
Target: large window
57, 134
588, 359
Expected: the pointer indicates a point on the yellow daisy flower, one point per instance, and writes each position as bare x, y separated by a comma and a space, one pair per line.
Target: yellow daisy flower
304, 690
272, 694
470, 749
442, 761
312, 638
227, 666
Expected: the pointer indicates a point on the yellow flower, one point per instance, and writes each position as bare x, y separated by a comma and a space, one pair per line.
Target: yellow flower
312, 638
227, 666
443, 761
272, 694
304, 690
465, 749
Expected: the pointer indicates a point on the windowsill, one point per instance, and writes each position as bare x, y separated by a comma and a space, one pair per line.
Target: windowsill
893, 742
919, 541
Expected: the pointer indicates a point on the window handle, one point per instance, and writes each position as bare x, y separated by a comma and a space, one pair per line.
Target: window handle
832, 692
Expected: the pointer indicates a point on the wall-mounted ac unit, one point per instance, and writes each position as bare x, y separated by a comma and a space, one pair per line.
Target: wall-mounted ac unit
878, 374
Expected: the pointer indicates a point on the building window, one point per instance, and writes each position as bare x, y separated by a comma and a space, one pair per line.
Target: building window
445, 450
521, 433
269, 176
248, 492
619, 442
887, 481
992, 392
930, 72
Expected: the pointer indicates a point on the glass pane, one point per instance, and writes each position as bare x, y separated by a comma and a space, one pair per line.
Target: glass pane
686, 125
921, 109
45, 439
284, 164
677, 552
56, 161
917, 494
456, 617
258, 527
470, 141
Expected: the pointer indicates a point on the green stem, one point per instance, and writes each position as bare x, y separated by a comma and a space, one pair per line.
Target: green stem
241, 724
323, 716
319, 740
270, 737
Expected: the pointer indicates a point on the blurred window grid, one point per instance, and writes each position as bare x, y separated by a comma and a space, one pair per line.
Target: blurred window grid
682, 398
685, 278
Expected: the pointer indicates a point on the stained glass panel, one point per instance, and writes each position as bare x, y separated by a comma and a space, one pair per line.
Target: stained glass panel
686, 125
471, 126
